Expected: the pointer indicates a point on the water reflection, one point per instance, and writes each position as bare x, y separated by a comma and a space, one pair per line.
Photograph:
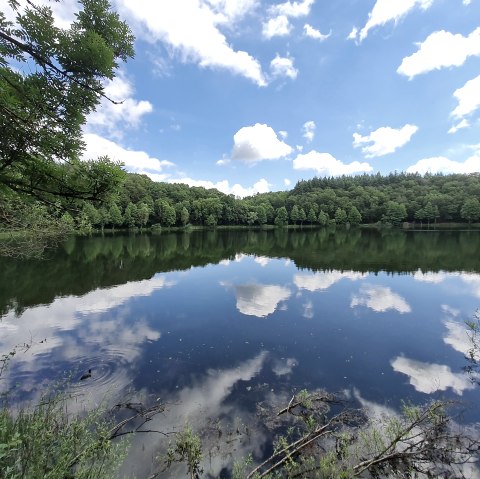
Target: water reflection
323, 281
380, 299
78, 331
200, 405
164, 316
259, 300
429, 377
470, 279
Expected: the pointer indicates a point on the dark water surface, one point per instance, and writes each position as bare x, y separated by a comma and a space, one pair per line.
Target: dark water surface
215, 322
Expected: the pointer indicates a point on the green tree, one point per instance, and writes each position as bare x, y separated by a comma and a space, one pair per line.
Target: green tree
252, 218
142, 214
471, 210
301, 215
430, 212
130, 215
44, 105
115, 214
261, 214
322, 218
340, 216
295, 214
169, 217
184, 216
311, 217
354, 216
395, 213
211, 220
281, 219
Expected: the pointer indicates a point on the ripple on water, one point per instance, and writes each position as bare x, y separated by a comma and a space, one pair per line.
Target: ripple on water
109, 370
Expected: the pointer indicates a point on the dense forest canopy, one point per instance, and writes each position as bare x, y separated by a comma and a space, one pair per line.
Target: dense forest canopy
389, 199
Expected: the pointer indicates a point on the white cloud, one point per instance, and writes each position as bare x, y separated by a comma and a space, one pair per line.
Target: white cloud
429, 377
353, 34
441, 50
472, 280
309, 130
462, 124
110, 117
262, 260
380, 299
287, 182
384, 140
256, 143
429, 277
468, 98
308, 312
260, 300
63, 12
232, 10
323, 281
327, 165
191, 29
276, 27
293, 9
385, 11
134, 160
261, 186
457, 337
283, 367
311, 32
283, 67
440, 164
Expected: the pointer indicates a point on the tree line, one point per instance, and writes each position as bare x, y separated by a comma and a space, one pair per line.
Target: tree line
391, 199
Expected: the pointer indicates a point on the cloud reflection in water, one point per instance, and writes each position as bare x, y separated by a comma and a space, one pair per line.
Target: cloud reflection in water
430, 377
380, 299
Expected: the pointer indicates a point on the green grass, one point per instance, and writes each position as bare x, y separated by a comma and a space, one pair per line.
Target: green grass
45, 441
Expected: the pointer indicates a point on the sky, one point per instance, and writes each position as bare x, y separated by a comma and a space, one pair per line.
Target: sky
252, 96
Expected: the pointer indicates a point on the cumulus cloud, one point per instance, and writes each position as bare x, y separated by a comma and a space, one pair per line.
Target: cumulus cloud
430, 377
260, 300
261, 186
472, 280
293, 9
380, 299
327, 165
191, 29
276, 27
441, 50
323, 281
457, 337
283, 67
257, 143
112, 118
468, 98
287, 182
441, 164
459, 126
134, 160
309, 130
384, 140
385, 11
278, 23
311, 32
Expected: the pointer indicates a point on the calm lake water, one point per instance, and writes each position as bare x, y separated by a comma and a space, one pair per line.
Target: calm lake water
215, 323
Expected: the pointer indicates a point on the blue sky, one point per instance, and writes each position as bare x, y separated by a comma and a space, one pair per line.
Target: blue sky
253, 95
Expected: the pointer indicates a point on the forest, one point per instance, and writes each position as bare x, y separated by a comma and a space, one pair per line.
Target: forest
391, 199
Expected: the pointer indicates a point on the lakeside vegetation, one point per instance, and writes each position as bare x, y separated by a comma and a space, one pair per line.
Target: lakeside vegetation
369, 199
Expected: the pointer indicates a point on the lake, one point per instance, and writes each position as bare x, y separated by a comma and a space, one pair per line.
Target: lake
216, 322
